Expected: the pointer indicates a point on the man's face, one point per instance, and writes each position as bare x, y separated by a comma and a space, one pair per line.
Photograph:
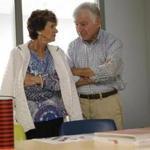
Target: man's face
87, 26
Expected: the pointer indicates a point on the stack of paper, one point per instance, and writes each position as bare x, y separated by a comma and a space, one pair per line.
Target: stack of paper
75, 142
67, 139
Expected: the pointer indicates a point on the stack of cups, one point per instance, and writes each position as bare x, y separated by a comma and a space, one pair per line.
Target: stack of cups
6, 123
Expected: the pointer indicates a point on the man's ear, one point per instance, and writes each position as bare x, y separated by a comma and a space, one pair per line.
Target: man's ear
98, 22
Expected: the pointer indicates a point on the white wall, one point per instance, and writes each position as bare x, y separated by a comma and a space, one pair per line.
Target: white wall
127, 20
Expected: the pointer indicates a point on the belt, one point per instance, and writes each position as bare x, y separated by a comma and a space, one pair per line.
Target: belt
101, 95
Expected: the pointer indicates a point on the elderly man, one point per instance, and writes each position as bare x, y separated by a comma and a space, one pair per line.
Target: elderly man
95, 59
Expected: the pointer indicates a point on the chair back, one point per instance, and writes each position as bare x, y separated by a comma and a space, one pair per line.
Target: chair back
87, 126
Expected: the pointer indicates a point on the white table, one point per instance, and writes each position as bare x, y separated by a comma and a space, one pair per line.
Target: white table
95, 141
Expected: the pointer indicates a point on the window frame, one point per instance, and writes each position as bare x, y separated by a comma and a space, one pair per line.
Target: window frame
19, 19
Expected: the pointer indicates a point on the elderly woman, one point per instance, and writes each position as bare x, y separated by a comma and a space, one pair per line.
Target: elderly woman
39, 78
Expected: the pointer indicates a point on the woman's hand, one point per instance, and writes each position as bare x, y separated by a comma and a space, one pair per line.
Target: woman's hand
32, 80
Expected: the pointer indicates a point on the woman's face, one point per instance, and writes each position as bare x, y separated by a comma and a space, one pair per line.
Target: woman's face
49, 32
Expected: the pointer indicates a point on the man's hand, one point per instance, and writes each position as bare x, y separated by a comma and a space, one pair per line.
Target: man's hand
84, 81
82, 72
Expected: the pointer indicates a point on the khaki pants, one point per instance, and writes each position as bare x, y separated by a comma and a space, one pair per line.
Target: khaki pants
105, 108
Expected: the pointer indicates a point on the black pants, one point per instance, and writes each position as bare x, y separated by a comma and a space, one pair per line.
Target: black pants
45, 129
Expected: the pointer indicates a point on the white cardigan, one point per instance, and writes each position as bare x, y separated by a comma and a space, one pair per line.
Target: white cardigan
13, 84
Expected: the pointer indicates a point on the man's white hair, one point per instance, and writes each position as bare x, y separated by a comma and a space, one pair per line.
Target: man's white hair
91, 7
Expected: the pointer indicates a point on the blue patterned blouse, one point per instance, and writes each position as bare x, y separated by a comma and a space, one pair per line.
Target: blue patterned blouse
45, 103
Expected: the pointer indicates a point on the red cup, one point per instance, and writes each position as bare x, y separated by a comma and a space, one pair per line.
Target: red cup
6, 123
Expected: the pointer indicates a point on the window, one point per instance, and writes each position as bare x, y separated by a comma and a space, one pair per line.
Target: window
7, 33
63, 10
8, 37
